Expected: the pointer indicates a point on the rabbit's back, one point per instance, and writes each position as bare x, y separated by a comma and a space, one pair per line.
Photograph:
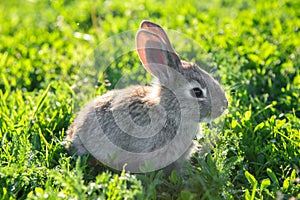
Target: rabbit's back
133, 119
85, 121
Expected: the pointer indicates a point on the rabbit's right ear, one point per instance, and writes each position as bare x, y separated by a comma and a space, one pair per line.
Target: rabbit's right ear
156, 55
158, 30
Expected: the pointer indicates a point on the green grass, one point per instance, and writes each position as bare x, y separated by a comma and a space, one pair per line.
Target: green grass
44, 54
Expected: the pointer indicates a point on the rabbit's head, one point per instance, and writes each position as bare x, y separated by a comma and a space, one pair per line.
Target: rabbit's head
197, 89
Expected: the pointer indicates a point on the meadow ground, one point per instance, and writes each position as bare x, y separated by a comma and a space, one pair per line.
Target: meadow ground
51, 56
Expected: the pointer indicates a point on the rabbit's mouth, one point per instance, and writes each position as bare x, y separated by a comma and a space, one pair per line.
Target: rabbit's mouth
205, 114
206, 120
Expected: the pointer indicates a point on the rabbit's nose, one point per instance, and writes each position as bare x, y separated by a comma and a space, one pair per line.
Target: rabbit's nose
225, 103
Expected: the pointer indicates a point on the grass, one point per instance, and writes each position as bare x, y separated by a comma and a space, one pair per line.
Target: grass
50, 60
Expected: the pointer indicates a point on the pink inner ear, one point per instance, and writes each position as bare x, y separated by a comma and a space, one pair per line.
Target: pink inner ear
152, 52
155, 56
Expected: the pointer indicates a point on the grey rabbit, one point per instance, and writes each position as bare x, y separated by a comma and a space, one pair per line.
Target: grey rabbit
149, 127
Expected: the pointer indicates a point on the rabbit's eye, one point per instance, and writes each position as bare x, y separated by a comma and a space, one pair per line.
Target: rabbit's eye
197, 93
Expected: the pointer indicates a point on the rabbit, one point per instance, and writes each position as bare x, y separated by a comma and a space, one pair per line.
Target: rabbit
148, 128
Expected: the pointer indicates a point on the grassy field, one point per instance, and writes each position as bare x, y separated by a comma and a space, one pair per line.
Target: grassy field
51, 56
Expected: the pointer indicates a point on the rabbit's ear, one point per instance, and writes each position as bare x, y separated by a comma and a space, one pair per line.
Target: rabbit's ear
158, 30
156, 55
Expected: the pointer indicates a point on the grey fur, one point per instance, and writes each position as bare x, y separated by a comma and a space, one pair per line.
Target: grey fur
142, 120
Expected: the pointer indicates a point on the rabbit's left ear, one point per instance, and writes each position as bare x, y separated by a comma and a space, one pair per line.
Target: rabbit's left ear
156, 54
